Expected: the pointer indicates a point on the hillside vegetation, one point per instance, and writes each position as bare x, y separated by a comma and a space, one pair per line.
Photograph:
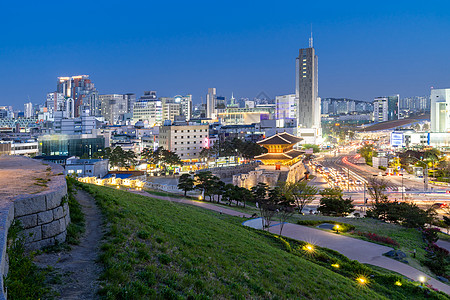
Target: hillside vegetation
159, 249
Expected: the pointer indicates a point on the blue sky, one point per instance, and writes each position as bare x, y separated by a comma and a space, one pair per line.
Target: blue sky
365, 48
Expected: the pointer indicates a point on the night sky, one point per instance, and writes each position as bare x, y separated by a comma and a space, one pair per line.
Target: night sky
179, 47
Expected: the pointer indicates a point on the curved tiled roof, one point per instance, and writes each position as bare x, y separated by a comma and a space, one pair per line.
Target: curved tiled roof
281, 139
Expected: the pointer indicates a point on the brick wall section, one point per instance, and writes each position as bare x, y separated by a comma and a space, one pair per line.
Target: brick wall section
44, 217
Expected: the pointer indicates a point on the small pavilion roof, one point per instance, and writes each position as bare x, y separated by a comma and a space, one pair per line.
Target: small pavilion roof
281, 139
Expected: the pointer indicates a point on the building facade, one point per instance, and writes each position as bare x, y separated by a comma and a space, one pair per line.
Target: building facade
386, 108
285, 107
148, 109
113, 107
185, 140
82, 91
440, 110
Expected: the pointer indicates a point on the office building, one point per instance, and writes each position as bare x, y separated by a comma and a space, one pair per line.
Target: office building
148, 109
308, 107
211, 103
113, 107
170, 108
82, 91
86, 167
70, 145
186, 105
28, 110
307, 96
130, 98
185, 140
285, 107
85, 124
440, 110
386, 108
55, 102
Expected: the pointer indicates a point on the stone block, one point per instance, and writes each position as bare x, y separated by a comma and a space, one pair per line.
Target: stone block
32, 234
29, 205
63, 225
66, 208
67, 219
51, 229
61, 238
28, 221
40, 244
54, 199
58, 213
45, 217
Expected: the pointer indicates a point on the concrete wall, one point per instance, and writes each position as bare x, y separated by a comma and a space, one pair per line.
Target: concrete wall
44, 217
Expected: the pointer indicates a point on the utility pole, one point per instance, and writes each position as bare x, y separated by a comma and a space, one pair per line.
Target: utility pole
365, 208
348, 179
403, 189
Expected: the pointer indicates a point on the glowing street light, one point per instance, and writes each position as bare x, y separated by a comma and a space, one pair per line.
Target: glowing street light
335, 266
336, 227
361, 280
422, 279
308, 247
398, 283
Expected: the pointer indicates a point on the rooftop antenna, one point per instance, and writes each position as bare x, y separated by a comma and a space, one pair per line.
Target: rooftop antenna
311, 39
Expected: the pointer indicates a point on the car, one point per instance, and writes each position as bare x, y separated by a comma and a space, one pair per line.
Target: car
358, 182
439, 205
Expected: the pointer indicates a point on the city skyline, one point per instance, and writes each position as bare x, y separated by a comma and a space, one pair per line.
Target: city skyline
365, 52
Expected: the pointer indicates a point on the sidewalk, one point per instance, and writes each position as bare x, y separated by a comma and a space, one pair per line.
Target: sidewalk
362, 251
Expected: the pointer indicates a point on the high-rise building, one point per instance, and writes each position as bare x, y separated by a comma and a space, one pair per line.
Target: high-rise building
28, 110
307, 96
386, 108
186, 105
308, 107
82, 90
131, 99
55, 102
211, 99
285, 107
440, 110
112, 107
148, 109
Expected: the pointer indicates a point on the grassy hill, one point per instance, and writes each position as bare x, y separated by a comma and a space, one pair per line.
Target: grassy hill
158, 249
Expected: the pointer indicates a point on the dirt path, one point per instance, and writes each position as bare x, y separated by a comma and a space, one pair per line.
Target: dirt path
78, 269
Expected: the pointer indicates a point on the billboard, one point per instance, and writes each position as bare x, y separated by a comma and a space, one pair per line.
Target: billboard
396, 139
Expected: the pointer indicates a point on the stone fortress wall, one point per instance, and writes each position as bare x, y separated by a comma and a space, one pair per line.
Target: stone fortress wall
44, 215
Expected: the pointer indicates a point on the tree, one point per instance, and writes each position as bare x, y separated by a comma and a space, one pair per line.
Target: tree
315, 148
119, 158
367, 152
405, 214
205, 182
260, 194
186, 183
377, 189
332, 203
303, 194
283, 200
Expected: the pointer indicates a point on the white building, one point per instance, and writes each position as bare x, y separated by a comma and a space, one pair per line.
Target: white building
113, 107
285, 107
28, 110
440, 110
380, 109
55, 102
150, 112
185, 140
85, 124
211, 99
86, 167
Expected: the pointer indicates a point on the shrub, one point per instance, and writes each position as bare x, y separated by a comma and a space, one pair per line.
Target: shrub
343, 227
378, 238
431, 234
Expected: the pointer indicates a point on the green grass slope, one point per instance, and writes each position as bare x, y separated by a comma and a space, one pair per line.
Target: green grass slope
158, 249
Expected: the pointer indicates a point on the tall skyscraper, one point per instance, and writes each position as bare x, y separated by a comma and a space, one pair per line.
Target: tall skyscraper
211, 99
307, 95
131, 99
440, 110
82, 91
307, 89
285, 107
28, 110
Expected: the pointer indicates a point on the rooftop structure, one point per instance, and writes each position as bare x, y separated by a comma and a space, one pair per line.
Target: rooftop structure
280, 149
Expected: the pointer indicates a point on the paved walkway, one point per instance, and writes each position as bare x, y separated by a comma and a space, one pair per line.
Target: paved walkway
355, 249
443, 244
